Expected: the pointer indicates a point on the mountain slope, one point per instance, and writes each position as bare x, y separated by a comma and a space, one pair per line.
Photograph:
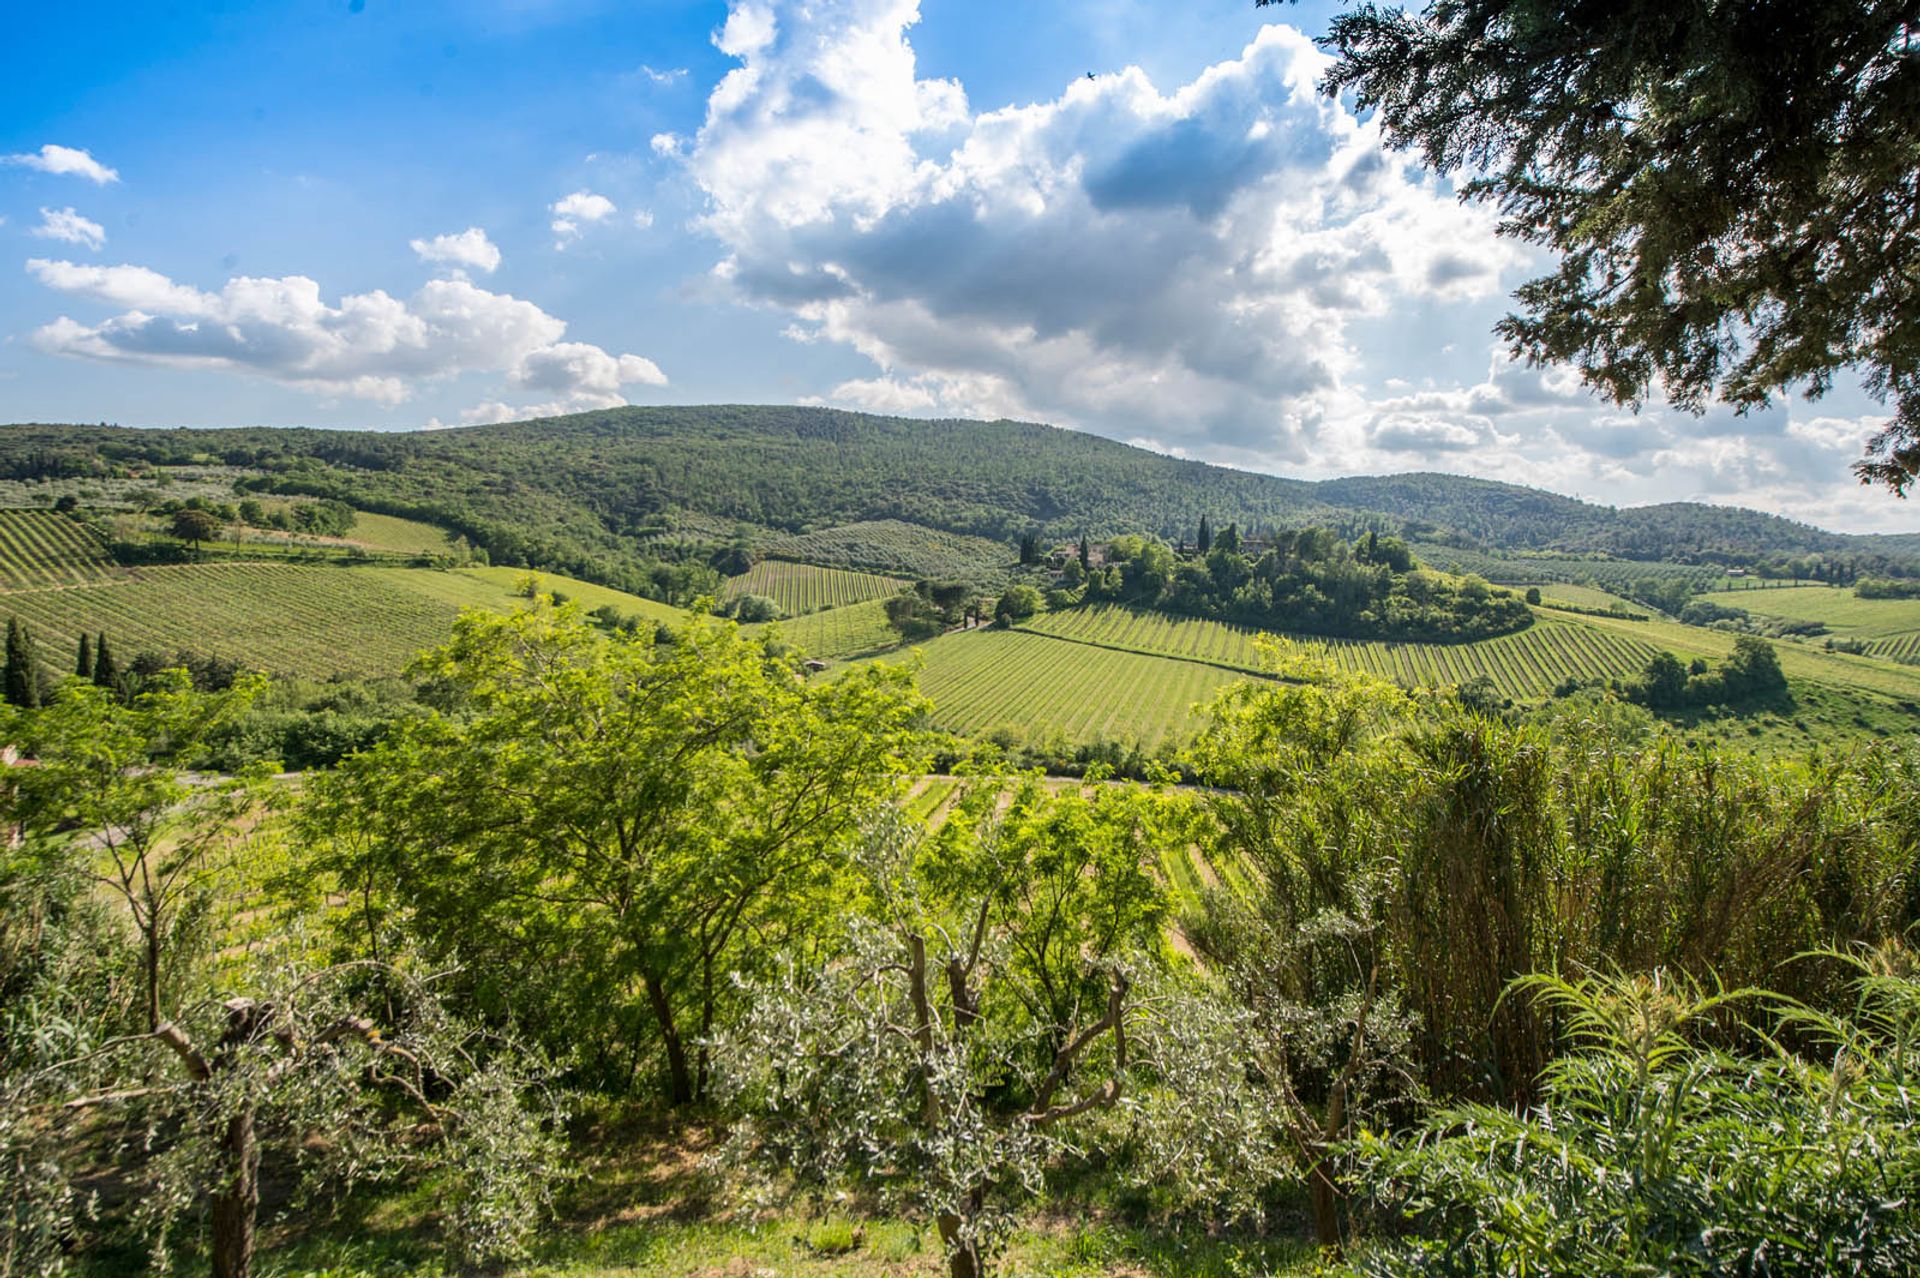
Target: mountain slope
573, 492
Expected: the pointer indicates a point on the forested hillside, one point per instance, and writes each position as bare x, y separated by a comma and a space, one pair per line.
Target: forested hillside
585, 492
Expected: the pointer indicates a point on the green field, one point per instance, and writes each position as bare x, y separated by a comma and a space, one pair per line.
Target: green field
1579, 596
1843, 612
317, 620
1617, 576
389, 532
1530, 663
1037, 688
839, 633
40, 548
803, 588
888, 545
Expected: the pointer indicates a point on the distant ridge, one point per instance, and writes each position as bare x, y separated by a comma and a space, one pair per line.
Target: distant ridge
603, 479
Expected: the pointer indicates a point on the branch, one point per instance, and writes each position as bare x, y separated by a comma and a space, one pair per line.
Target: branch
173, 1036
1043, 1111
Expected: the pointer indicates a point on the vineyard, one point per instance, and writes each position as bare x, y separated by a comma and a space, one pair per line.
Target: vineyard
306, 620
890, 546
40, 548
1034, 688
799, 589
1528, 664
842, 632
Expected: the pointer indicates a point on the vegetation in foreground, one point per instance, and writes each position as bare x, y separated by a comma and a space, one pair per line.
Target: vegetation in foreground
1437, 976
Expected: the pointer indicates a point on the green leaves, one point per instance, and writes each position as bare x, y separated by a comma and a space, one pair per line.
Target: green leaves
607, 820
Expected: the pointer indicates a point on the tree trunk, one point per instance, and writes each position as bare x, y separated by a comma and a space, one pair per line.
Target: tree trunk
1326, 1207
237, 1201
679, 1074
153, 975
963, 1256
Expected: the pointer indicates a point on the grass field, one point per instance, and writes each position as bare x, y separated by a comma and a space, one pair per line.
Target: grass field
314, 620
890, 546
40, 548
1527, 664
389, 532
1614, 575
1844, 612
840, 633
803, 588
1566, 592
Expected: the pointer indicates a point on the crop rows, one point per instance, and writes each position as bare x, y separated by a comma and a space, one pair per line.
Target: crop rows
842, 632
805, 588
1041, 688
41, 548
298, 620
889, 545
1530, 663
1900, 647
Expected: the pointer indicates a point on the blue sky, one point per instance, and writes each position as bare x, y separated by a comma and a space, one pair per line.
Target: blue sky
392, 216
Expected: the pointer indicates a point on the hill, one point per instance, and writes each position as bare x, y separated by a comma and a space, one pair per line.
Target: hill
614, 495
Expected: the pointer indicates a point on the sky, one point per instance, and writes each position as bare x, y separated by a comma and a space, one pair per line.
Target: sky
1136, 219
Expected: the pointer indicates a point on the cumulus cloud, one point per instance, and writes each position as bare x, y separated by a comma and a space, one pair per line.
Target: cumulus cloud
571, 212
468, 248
370, 346
74, 161
1181, 265
66, 224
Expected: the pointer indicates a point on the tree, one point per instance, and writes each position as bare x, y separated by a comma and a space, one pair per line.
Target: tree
606, 829
83, 666
1204, 542
974, 1021
1730, 188
1533, 595
22, 675
1086, 552
106, 670
162, 840
194, 526
1017, 603
1229, 539
225, 1082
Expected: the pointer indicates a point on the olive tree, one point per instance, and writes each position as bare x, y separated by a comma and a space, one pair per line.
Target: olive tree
295, 1072
972, 1023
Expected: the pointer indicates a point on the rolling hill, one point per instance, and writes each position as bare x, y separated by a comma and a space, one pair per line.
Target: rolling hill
587, 494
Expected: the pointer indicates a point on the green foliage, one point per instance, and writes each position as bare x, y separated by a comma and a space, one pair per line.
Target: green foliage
972, 1023
1017, 603
606, 827
1717, 181
1650, 1153
1887, 588
1753, 670
1309, 581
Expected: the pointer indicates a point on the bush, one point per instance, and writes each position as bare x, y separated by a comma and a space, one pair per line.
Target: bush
1652, 1154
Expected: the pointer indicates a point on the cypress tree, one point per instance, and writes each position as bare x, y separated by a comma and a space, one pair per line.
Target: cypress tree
1086, 556
22, 682
1205, 539
106, 671
84, 667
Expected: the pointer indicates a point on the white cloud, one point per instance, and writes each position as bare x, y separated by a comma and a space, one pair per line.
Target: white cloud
571, 211
468, 248
671, 75
1182, 266
367, 345
643, 218
76, 161
665, 143
66, 224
